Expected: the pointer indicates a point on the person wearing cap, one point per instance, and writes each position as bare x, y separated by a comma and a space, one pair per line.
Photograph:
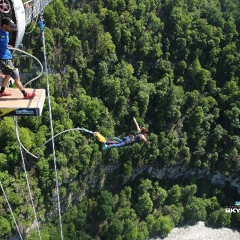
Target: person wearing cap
6, 64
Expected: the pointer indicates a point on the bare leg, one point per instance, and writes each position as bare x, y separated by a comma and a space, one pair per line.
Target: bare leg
4, 85
17, 81
5, 81
20, 87
19, 84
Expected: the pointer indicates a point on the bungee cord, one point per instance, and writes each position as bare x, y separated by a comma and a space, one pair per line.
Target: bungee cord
38, 156
28, 185
68, 130
44, 144
14, 219
40, 74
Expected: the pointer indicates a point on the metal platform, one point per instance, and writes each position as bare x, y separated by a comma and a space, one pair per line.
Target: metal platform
16, 105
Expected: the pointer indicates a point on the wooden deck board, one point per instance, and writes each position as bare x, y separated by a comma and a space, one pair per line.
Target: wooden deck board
16, 105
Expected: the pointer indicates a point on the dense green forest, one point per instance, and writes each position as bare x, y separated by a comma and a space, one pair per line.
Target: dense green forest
175, 66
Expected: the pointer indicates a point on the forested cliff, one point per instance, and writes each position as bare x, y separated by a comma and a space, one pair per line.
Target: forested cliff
175, 66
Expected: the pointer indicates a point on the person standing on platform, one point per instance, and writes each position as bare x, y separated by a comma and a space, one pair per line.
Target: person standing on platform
6, 64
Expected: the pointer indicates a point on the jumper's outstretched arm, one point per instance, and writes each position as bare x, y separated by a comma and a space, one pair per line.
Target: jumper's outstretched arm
136, 123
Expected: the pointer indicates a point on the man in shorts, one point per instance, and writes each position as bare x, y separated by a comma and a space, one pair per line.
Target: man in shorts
6, 64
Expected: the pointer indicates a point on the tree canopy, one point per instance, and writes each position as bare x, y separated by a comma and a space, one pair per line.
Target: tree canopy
174, 65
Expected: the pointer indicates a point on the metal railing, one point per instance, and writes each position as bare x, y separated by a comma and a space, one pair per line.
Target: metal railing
33, 8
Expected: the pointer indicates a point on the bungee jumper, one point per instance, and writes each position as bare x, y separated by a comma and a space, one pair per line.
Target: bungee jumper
115, 142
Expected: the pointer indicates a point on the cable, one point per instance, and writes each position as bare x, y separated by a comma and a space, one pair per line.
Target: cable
65, 131
28, 185
41, 25
11, 211
16, 49
20, 143
72, 129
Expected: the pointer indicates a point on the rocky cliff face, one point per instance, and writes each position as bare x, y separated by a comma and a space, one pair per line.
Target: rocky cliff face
175, 172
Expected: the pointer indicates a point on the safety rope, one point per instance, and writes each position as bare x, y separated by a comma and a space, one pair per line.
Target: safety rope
26, 177
11, 211
40, 74
41, 25
50, 139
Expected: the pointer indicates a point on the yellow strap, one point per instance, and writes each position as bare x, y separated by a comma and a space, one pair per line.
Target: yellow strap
99, 137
